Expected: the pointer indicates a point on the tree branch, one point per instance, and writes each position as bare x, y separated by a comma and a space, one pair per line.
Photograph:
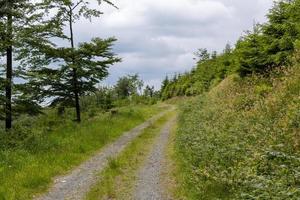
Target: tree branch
81, 1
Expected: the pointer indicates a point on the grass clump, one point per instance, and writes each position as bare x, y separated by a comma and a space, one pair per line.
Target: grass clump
52, 147
241, 140
117, 181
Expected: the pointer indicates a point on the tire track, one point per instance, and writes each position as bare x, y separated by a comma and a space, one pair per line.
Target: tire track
77, 183
148, 184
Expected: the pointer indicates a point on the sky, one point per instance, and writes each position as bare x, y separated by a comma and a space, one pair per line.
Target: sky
158, 37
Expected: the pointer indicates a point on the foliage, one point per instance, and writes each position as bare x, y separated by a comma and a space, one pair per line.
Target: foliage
149, 91
106, 98
206, 74
128, 86
202, 55
78, 68
267, 46
19, 20
33, 153
250, 53
103, 98
241, 139
92, 61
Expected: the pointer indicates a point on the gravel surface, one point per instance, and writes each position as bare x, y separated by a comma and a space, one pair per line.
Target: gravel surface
77, 183
149, 186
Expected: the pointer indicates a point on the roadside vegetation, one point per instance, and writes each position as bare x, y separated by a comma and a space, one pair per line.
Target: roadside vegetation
48, 141
28, 163
118, 180
172, 176
238, 138
241, 140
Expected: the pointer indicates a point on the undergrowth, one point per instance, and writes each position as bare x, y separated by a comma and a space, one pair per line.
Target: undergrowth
242, 139
51, 147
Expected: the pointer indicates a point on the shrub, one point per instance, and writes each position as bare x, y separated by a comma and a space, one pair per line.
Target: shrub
241, 140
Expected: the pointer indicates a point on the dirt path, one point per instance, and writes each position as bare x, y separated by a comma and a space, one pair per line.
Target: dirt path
149, 185
77, 183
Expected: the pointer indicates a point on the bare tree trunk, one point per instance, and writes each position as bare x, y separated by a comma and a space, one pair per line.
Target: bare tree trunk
75, 79
8, 86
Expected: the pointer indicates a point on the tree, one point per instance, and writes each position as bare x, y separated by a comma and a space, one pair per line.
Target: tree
214, 55
149, 91
163, 88
281, 32
227, 49
78, 68
202, 55
267, 46
19, 19
250, 52
128, 85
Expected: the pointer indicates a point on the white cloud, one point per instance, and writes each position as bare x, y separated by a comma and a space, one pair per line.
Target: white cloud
158, 37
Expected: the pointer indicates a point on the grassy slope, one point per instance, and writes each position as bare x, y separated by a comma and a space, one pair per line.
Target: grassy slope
28, 169
119, 178
242, 139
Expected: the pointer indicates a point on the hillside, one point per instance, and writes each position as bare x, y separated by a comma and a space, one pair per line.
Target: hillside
241, 139
266, 47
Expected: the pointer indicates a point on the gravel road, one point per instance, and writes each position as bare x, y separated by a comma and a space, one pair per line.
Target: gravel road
148, 184
77, 183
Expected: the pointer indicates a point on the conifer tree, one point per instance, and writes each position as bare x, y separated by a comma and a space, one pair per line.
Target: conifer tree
20, 20
281, 31
75, 69
250, 52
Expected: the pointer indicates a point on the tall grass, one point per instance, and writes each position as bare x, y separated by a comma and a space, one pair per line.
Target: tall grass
242, 139
52, 147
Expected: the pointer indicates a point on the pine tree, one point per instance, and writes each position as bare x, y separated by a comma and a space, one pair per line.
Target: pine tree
281, 32
202, 55
251, 53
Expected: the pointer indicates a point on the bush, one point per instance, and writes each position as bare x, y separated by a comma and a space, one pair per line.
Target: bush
20, 135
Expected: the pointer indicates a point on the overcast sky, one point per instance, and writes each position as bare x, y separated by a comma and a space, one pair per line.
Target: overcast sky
158, 37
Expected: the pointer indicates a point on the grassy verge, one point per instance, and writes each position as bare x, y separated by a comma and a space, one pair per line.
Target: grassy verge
241, 140
171, 175
28, 169
119, 178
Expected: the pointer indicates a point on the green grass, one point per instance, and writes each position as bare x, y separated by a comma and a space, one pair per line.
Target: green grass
118, 180
241, 140
53, 148
172, 176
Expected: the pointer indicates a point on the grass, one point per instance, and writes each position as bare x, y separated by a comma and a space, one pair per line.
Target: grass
171, 177
28, 168
241, 140
118, 180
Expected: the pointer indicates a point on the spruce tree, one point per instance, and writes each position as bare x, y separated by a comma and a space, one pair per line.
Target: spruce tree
281, 31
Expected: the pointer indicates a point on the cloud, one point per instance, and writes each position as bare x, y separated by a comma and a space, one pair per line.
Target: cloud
158, 37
